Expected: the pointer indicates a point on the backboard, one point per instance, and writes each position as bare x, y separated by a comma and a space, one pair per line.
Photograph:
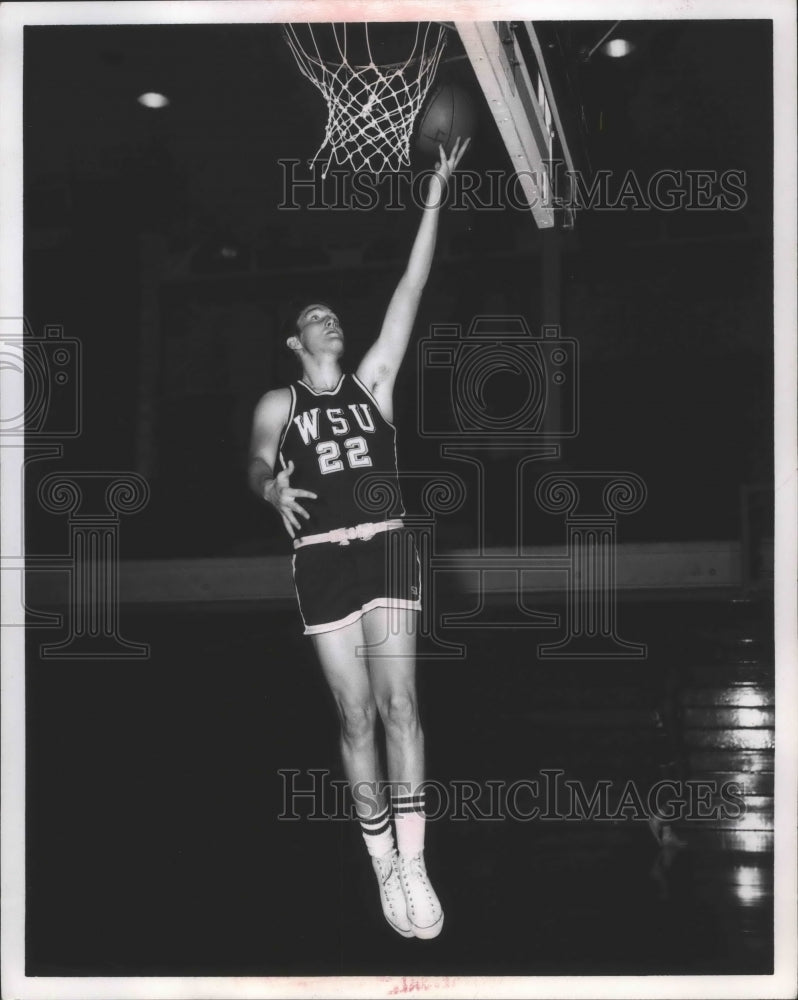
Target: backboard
509, 63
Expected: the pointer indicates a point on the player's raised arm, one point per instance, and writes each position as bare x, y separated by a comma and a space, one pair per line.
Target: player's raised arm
379, 367
269, 484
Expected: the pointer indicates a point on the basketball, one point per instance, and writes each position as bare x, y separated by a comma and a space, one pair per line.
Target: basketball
449, 112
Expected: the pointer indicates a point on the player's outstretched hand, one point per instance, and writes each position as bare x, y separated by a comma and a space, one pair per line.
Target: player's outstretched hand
445, 168
283, 496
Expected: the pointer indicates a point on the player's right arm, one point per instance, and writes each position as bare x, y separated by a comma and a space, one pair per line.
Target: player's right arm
271, 415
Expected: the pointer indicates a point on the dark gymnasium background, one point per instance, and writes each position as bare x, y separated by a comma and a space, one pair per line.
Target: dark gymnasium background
156, 238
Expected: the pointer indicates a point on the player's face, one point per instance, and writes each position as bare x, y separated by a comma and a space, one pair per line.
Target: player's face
319, 329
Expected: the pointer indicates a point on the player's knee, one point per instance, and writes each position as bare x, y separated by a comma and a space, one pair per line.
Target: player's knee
399, 711
357, 720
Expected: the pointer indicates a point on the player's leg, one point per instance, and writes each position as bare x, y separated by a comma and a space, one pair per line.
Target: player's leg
347, 675
391, 633
348, 679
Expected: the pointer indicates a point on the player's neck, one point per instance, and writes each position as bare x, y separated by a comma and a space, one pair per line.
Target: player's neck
322, 378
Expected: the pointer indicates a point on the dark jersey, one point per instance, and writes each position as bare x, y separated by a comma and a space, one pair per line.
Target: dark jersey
334, 438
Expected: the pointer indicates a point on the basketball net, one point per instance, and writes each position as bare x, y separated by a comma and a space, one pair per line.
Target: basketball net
371, 108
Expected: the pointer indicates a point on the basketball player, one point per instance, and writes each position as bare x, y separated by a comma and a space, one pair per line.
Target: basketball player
328, 429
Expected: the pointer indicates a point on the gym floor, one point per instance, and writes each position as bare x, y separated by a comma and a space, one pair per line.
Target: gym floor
155, 848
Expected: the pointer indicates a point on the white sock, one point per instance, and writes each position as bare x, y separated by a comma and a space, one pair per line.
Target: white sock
377, 833
410, 822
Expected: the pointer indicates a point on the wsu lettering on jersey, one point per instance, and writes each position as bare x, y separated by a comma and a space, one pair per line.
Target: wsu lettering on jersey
308, 422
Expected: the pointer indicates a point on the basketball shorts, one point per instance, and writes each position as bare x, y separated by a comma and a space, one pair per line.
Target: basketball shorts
336, 584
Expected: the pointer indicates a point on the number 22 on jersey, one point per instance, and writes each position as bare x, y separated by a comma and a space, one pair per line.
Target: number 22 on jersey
329, 452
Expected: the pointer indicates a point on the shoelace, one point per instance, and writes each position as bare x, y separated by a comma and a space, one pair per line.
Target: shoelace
419, 870
417, 865
388, 867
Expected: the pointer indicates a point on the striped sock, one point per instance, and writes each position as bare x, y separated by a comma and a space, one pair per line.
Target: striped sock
410, 822
377, 833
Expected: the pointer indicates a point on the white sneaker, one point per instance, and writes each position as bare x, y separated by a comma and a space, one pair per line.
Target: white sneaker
423, 906
394, 909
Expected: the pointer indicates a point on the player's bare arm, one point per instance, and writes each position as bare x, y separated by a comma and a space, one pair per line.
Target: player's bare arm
379, 367
271, 415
